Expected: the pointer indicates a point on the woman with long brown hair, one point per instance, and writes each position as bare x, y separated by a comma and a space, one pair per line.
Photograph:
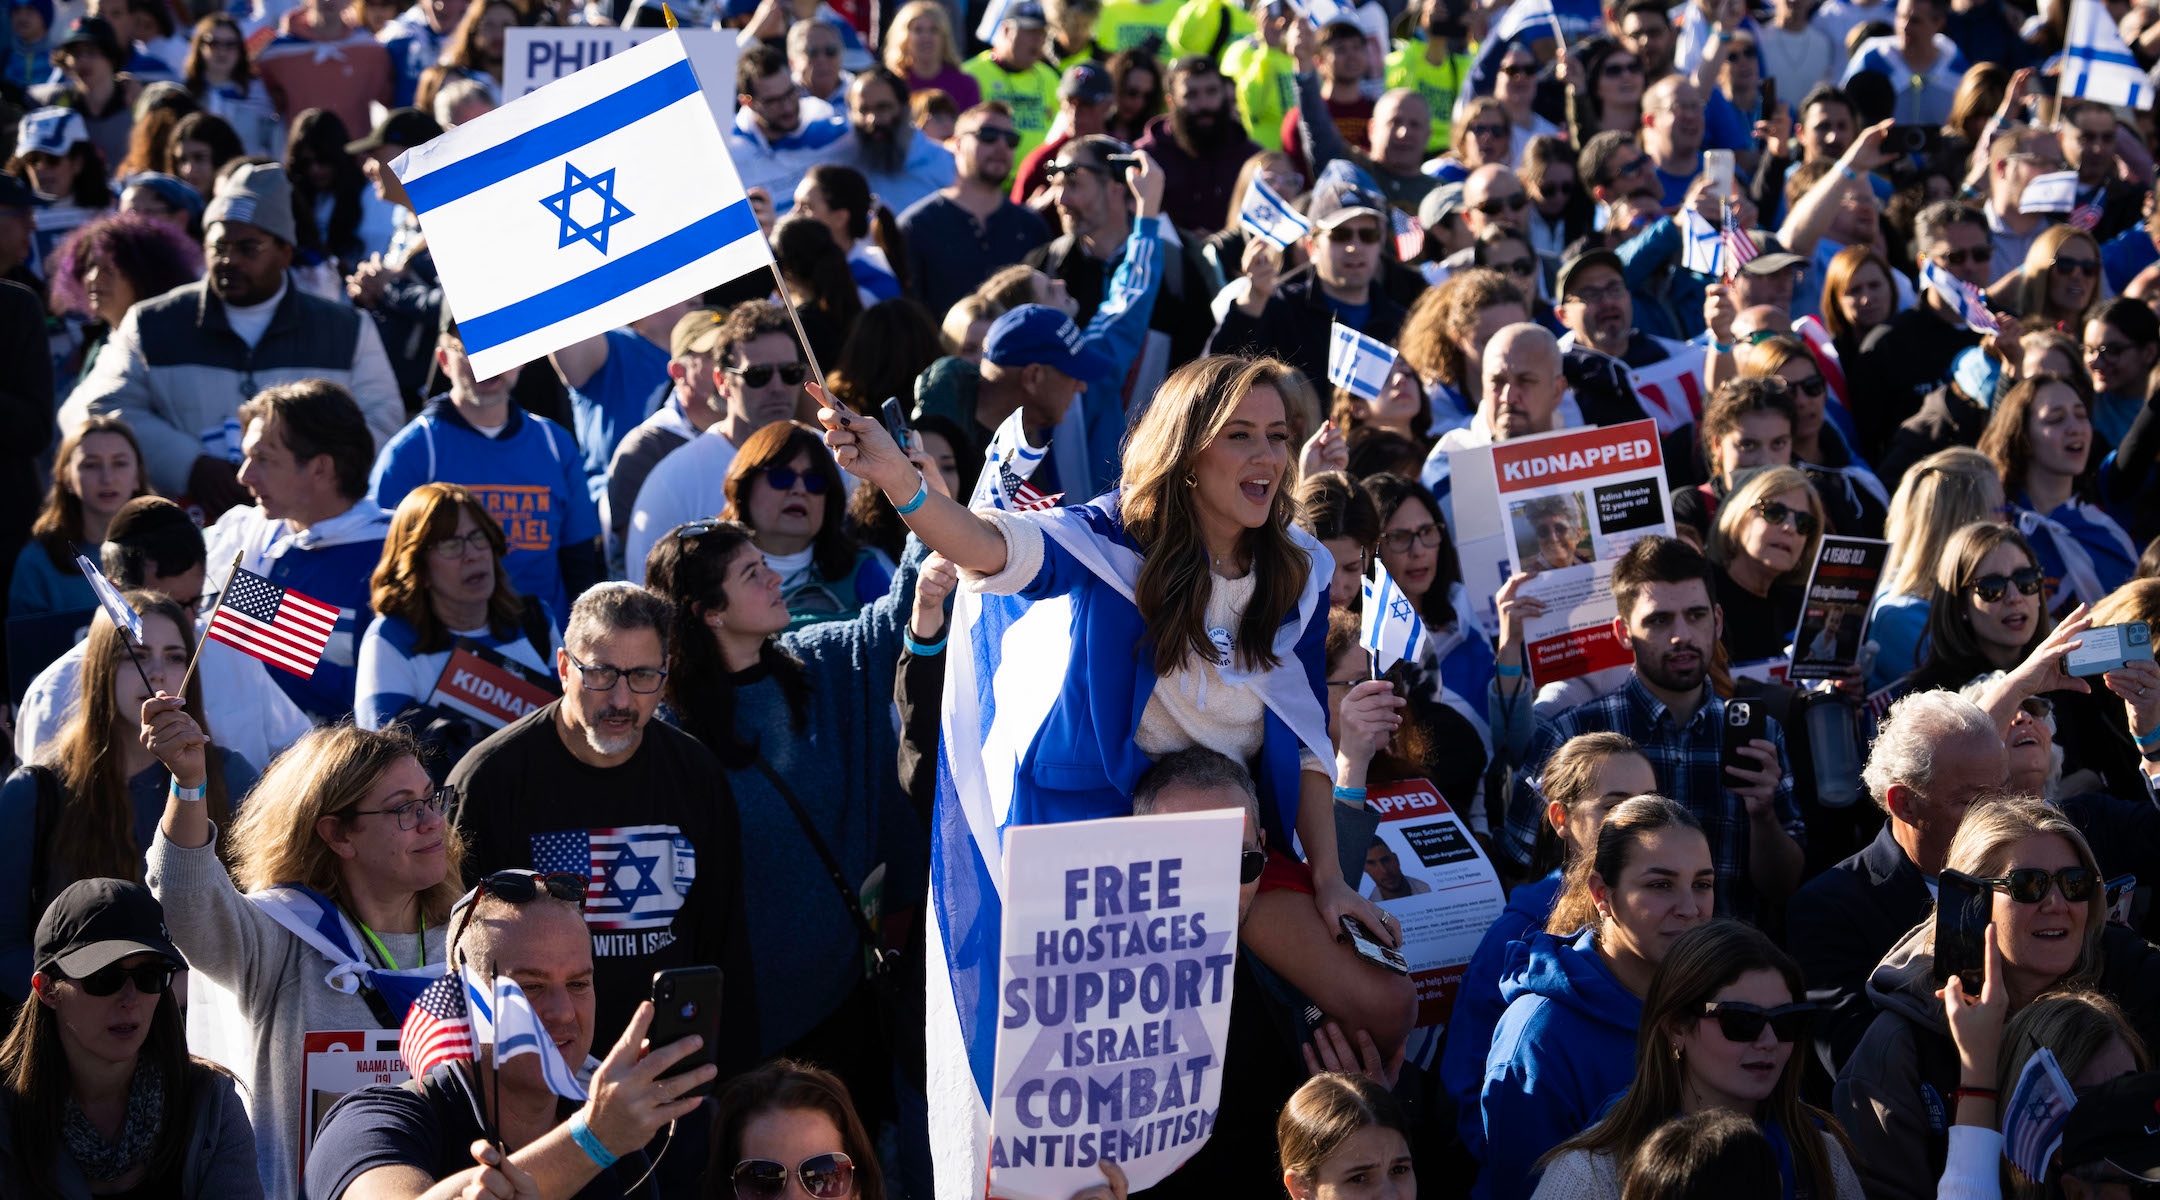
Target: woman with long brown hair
97, 469
220, 77
778, 1111
2040, 438
1859, 293
87, 806
2059, 285
1724, 1027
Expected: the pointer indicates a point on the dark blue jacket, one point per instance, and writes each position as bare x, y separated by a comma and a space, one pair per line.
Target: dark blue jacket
1478, 1006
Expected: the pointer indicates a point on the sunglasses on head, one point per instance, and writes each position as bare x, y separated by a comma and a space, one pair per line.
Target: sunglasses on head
1992, 588
1343, 235
151, 979
791, 374
1958, 258
825, 1176
2029, 885
1743, 1022
1777, 512
783, 478
1250, 865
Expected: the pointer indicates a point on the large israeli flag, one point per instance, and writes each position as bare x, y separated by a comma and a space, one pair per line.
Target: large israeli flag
603, 197
2097, 64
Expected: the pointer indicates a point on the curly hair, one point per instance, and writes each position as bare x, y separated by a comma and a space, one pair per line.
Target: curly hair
153, 257
1443, 317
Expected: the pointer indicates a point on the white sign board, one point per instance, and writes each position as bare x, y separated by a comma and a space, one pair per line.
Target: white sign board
534, 56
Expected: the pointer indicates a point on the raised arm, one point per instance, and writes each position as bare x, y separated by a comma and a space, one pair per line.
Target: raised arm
1812, 214
863, 449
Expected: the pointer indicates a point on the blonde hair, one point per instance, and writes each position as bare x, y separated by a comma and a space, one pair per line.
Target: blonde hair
1990, 833
2074, 1026
1738, 507
2039, 269
1939, 495
896, 55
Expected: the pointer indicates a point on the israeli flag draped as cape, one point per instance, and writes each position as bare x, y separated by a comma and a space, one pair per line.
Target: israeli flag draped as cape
1008, 660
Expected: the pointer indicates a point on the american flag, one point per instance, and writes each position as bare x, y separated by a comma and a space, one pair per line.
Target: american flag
284, 628
437, 1028
1739, 247
638, 874
1963, 298
1409, 235
2087, 215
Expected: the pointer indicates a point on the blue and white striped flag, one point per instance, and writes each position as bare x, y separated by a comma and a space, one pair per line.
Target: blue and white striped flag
1007, 466
1702, 245
1323, 13
2054, 192
518, 1032
598, 199
2097, 63
1270, 217
109, 598
2039, 1109
1357, 363
1522, 15
1963, 298
1391, 629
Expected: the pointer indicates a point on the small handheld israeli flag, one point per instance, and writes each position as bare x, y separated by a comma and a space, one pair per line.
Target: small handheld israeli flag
1963, 298
2055, 192
1391, 629
109, 598
518, 1032
993, 16
1702, 246
598, 199
1323, 13
1357, 363
2097, 63
1269, 217
2039, 1109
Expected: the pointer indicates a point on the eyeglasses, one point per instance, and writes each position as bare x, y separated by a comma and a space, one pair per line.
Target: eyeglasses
1615, 70
1342, 235
1957, 258
1399, 541
791, 374
642, 680
1743, 1022
2029, 885
1486, 131
1992, 588
1778, 512
1613, 291
151, 979
1057, 171
1010, 137
1556, 187
822, 51
1813, 385
408, 814
454, 545
2082, 266
1521, 268
1518, 70
1250, 864
1500, 204
222, 44
2105, 350
784, 479
825, 1176
2039, 708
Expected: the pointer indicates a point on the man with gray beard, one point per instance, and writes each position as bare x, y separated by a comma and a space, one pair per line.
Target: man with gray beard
901, 165
592, 785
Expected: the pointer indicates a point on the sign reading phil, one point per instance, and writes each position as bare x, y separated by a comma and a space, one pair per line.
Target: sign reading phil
484, 685
1114, 998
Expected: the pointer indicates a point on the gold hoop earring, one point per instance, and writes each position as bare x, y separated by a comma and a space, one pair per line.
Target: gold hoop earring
1676, 1052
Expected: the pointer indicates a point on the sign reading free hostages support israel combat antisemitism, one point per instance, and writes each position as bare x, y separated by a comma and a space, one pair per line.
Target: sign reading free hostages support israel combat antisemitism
1120, 940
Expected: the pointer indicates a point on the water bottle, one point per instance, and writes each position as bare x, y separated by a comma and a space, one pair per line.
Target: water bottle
1833, 727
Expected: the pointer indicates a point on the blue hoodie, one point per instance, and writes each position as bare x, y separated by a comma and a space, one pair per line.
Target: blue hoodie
1566, 1044
1478, 1006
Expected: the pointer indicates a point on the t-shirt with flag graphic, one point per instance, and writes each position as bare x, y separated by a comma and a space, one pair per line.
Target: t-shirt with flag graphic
656, 837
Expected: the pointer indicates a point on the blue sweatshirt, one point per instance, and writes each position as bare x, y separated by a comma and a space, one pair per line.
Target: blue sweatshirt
1478, 1006
1566, 1044
40, 587
626, 389
528, 475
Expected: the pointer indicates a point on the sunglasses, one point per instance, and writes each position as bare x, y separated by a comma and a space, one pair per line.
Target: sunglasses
825, 1176
784, 479
1515, 203
1958, 258
1250, 864
1778, 513
1343, 235
151, 979
1992, 588
520, 887
791, 374
1518, 70
2082, 266
1521, 268
1619, 69
1814, 385
1486, 131
1010, 137
2029, 885
1742, 1022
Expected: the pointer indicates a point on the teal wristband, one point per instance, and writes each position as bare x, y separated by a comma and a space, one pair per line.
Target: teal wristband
582, 1134
922, 496
1507, 672
1722, 348
191, 795
2148, 741
919, 649
1349, 795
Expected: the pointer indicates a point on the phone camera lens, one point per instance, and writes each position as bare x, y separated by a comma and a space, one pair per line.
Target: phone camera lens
666, 990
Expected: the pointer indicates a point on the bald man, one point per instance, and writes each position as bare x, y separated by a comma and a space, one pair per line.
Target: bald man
1672, 134
1394, 143
1524, 385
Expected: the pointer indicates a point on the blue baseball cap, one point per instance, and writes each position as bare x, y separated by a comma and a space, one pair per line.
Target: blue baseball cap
1038, 333
174, 191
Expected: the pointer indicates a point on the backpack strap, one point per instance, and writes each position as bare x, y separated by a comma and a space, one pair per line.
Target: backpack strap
1222, 33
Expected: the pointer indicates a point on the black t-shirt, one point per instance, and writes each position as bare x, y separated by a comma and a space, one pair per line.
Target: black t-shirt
1902, 360
431, 1123
1757, 626
659, 838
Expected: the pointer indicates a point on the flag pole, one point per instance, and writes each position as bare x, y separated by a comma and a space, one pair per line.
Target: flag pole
214, 606
789, 300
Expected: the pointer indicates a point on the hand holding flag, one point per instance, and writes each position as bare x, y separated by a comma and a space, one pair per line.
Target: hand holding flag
117, 611
284, 628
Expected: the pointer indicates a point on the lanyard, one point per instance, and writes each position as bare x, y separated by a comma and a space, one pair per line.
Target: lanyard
383, 950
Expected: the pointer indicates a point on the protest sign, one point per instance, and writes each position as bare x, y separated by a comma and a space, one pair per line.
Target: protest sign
537, 55
488, 687
1834, 615
1425, 868
1114, 998
1562, 507
334, 1063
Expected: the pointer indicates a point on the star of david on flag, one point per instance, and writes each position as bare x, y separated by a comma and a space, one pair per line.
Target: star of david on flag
586, 204
1391, 630
1702, 248
1269, 217
639, 874
1357, 362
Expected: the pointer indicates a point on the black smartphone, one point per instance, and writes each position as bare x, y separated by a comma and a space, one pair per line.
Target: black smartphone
1963, 908
896, 422
1744, 722
686, 1000
1912, 139
1769, 97
1370, 949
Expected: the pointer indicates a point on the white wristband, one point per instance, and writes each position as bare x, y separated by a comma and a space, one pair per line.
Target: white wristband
189, 795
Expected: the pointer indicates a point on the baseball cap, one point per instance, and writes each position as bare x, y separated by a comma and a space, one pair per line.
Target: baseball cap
406, 127
99, 32
51, 131
1037, 333
14, 193
1085, 83
1439, 204
95, 923
1027, 15
1589, 258
176, 192
696, 332
1343, 28
1771, 255
2117, 1123
1337, 198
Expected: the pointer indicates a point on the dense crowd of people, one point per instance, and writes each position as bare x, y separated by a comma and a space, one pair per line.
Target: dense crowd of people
711, 593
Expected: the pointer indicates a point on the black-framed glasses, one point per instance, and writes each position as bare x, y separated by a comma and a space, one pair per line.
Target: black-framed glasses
1958, 258
1343, 234
1619, 70
441, 800
453, 547
791, 374
785, 478
2039, 708
1057, 171
1486, 131
1399, 541
2105, 350
1742, 1022
2029, 885
1518, 70
1992, 588
1500, 204
151, 979
1777, 512
825, 1176
601, 678
1250, 864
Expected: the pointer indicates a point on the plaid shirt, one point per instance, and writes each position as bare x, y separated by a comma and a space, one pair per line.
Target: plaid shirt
1687, 762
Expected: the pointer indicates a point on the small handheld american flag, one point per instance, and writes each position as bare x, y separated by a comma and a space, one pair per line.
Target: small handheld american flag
1739, 247
437, 1028
284, 628
1409, 235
